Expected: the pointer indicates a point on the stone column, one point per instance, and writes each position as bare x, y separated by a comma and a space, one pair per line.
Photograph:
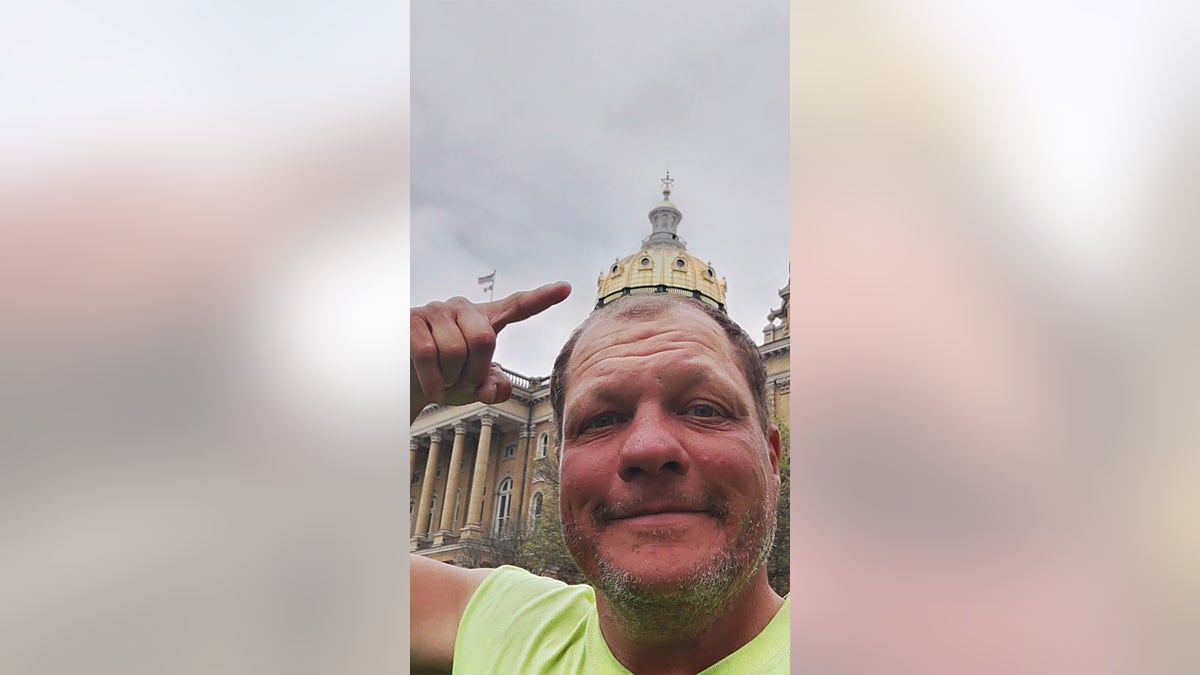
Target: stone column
447, 520
423, 506
472, 529
414, 444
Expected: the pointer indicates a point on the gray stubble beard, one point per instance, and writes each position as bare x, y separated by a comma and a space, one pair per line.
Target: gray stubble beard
697, 599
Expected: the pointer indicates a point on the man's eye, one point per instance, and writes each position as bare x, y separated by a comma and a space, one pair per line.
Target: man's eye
600, 421
702, 410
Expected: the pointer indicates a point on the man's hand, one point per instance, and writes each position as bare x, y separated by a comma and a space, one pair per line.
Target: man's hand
451, 345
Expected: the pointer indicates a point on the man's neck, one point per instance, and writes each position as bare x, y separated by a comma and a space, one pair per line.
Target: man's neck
690, 651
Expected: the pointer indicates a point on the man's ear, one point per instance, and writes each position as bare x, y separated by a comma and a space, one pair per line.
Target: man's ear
774, 448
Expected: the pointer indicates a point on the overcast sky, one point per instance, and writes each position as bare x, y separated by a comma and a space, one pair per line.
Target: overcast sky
540, 131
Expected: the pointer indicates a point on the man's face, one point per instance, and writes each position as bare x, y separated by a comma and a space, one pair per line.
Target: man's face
668, 480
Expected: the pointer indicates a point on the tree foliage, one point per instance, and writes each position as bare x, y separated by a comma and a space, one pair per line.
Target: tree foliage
779, 560
545, 550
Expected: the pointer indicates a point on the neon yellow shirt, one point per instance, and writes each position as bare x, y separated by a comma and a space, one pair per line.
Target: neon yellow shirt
518, 622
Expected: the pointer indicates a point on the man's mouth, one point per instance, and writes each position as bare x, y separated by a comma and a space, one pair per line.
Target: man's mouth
657, 511
649, 510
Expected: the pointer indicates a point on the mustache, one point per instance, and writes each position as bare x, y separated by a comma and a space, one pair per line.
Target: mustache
708, 502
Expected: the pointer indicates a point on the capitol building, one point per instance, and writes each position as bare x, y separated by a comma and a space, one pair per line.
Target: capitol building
474, 469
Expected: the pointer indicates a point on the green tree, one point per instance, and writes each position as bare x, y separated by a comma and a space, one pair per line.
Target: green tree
779, 560
502, 548
544, 551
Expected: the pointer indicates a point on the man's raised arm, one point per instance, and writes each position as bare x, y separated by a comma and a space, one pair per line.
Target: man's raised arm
451, 345
438, 595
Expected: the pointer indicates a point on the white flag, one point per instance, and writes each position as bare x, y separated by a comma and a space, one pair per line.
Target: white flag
488, 278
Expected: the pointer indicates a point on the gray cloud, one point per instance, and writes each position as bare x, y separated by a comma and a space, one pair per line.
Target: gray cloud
540, 130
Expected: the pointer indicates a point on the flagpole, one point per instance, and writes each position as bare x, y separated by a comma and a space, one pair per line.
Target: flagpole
488, 281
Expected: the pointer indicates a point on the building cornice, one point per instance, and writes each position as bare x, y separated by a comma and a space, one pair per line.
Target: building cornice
467, 415
776, 348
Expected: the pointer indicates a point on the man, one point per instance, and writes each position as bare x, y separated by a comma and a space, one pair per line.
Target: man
670, 478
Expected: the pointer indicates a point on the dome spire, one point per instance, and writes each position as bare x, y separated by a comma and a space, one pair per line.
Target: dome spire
664, 220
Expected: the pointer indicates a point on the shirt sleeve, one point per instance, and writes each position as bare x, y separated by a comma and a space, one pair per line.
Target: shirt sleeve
516, 619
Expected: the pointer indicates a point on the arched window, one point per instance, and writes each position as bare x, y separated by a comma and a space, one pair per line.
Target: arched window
543, 443
535, 508
503, 503
432, 511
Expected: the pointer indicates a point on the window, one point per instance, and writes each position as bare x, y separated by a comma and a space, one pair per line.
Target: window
510, 451
503, 503
535, 508
457, 503
645, 262
412, 510
432, 510
543, 443
416, 477
679, 262
439, 471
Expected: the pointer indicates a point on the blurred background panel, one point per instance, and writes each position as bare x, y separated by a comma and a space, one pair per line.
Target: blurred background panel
994, 396
203, 278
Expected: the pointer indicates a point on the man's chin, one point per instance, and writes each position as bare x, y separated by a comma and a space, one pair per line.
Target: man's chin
667, 579
664, 560
653, 579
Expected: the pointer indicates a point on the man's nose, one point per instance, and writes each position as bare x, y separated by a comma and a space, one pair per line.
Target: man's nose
652, 447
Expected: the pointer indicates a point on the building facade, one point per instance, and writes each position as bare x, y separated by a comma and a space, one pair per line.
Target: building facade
478, 471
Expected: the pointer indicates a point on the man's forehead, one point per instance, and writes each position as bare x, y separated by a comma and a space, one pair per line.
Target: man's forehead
646, 316
692, 345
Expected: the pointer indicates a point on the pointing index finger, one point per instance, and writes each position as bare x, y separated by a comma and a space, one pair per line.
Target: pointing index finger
524, 304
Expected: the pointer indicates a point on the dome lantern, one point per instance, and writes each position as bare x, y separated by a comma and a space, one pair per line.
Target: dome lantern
664, 221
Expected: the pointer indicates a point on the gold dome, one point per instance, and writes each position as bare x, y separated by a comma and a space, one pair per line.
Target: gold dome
662, 265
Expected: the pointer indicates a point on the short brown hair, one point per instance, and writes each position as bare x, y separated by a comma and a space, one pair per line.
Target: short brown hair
647, 307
